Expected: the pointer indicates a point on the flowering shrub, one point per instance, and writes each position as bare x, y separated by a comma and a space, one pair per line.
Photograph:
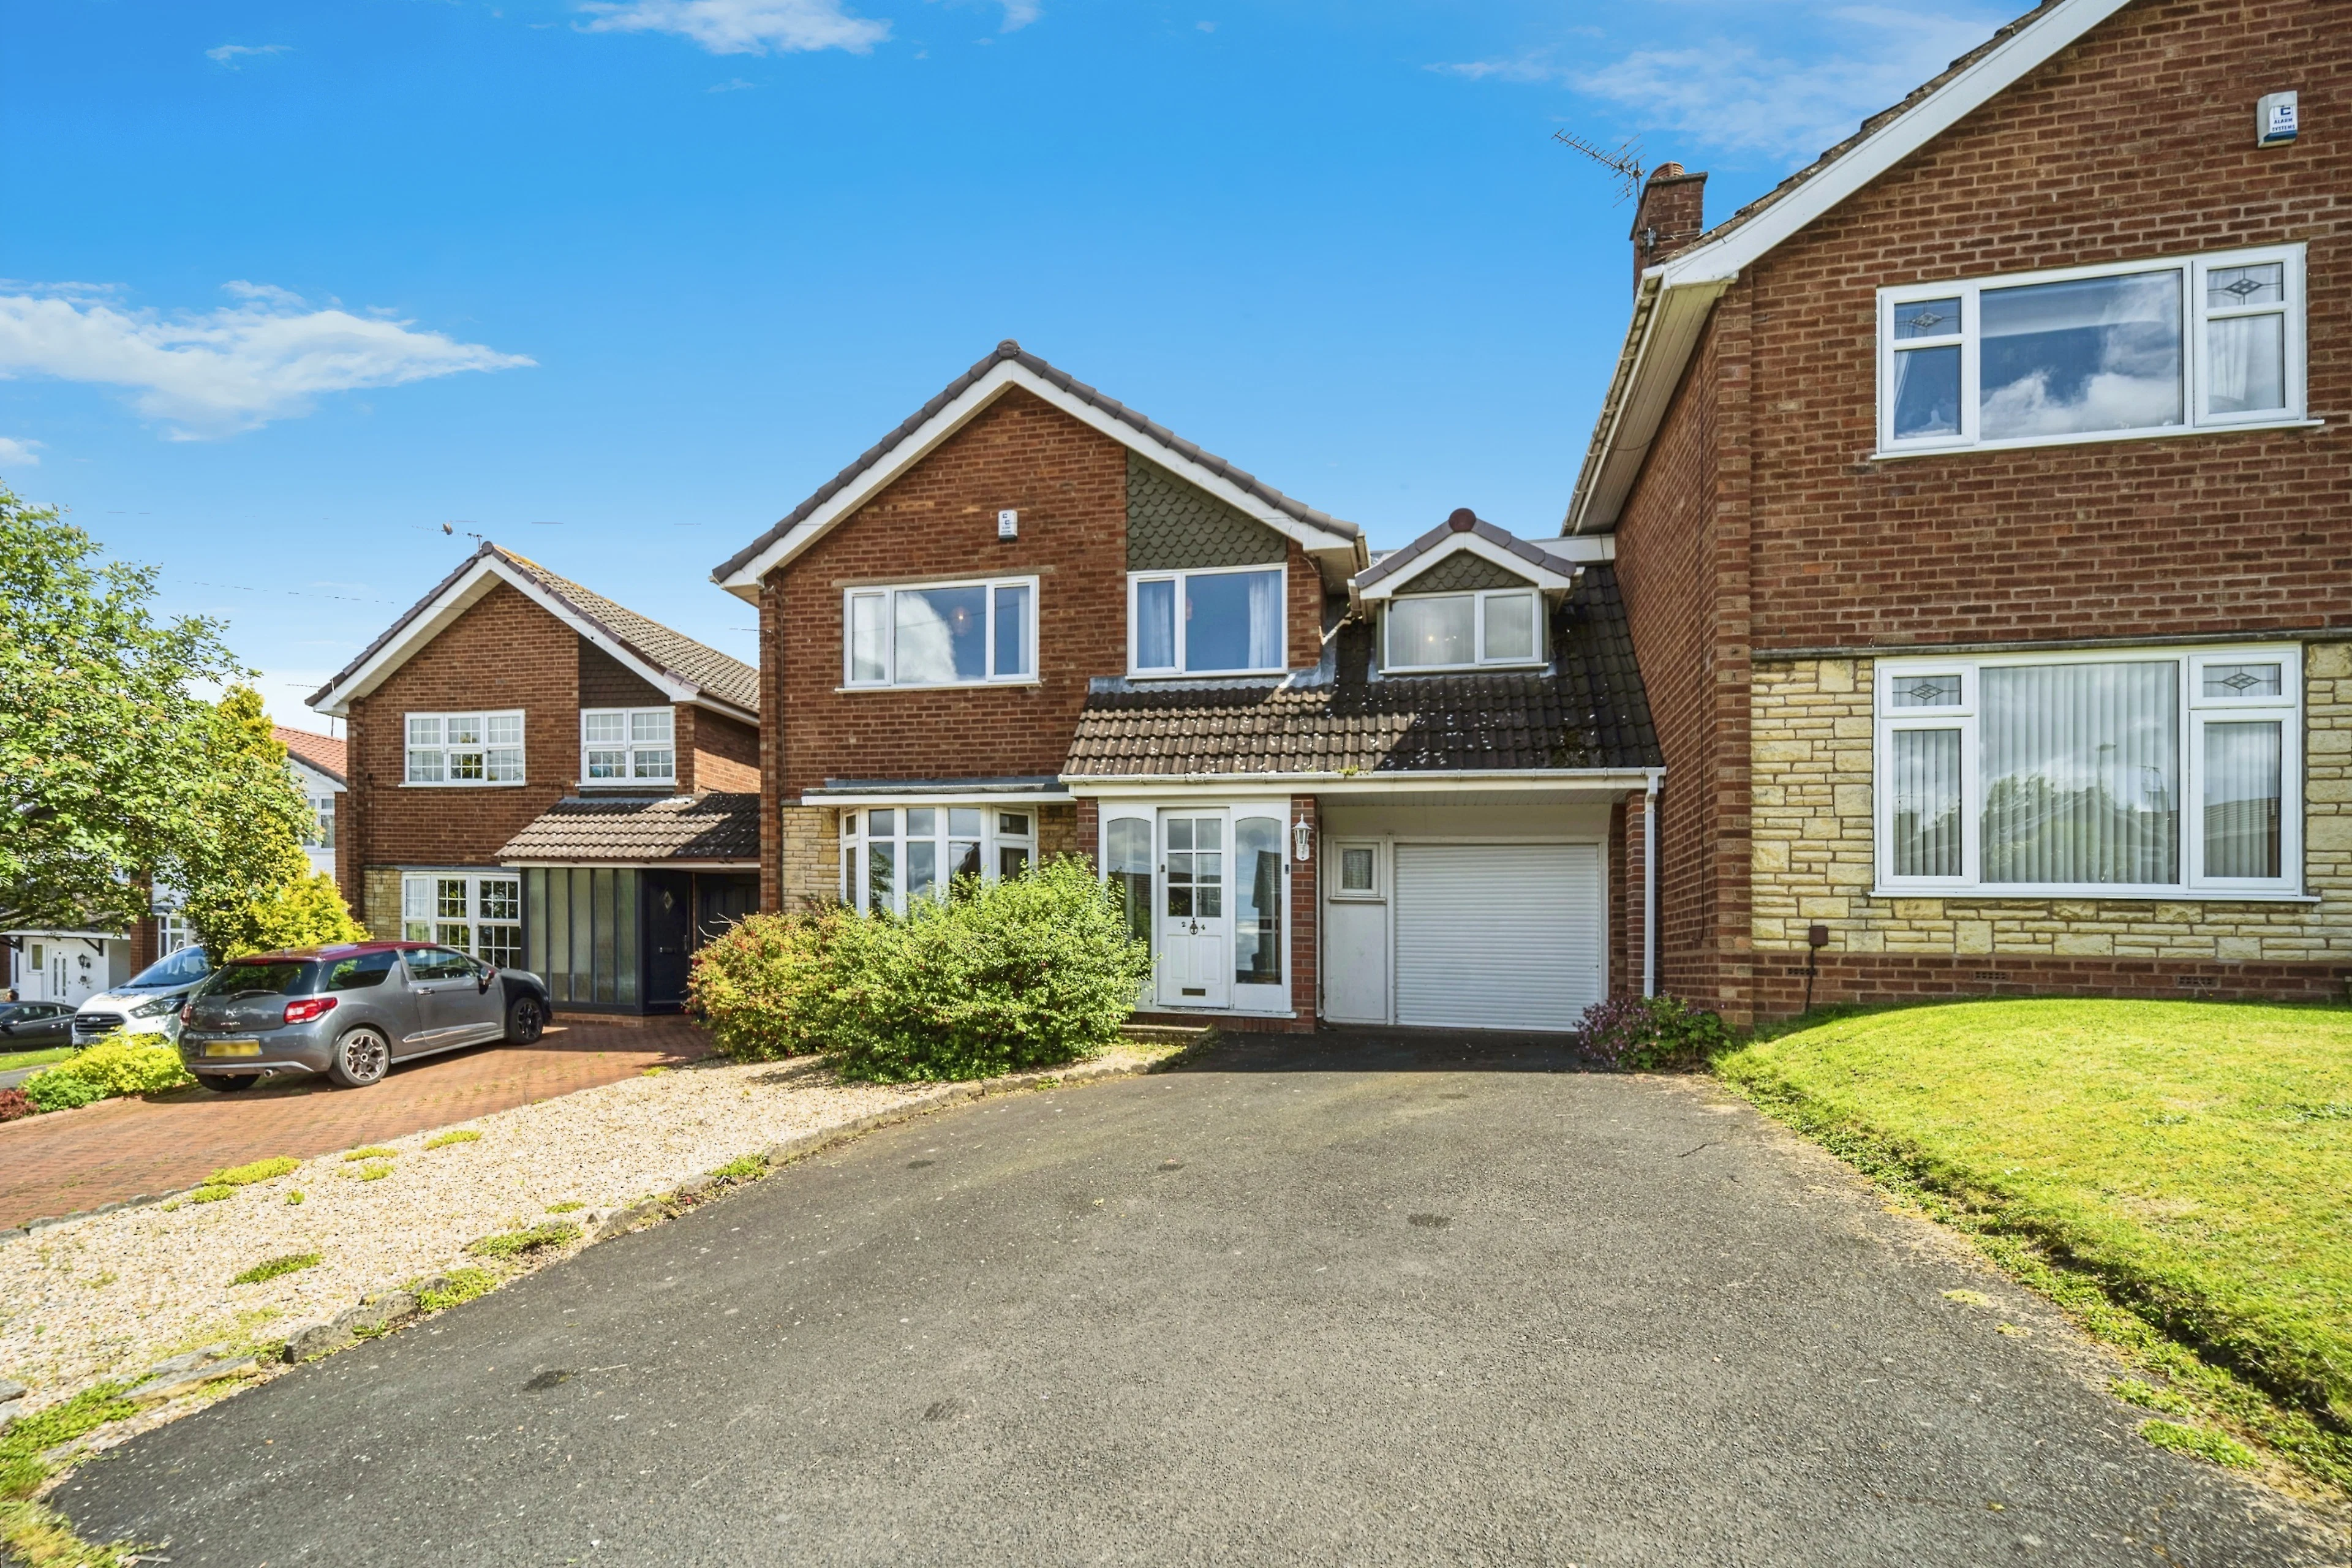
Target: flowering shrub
759, 987
1642, 1034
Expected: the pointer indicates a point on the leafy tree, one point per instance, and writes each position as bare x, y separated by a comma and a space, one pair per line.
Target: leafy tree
102, 736
249, 885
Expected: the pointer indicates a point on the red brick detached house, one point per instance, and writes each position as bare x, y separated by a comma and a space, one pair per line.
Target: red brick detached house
542, 778
1030, 622
1982, 504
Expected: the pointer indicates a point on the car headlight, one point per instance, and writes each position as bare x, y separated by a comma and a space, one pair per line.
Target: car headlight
155, 1009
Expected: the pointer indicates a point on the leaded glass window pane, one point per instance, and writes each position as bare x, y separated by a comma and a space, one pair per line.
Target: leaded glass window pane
1926, 691
2242, 680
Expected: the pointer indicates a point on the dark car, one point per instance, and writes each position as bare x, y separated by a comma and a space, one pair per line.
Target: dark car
34, 1025
351, 1011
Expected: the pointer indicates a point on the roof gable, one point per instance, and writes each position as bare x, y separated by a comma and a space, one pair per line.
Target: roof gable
1671, 303
322, 755
1458, 548
1008, 367
682, 670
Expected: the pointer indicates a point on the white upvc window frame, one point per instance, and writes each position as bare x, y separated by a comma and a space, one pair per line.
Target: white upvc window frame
1478, 632
633, 753
996, 839
1180, 576
426, 913
886, 593
2195, 316
496, 756
2194, 711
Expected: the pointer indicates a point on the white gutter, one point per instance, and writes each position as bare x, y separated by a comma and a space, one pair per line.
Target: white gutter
1091, 786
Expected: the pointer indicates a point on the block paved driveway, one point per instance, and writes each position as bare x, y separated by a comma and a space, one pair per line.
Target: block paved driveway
119, 1148
1356, 1302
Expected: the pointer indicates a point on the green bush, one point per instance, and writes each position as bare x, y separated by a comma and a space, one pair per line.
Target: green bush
119, 1064
757, 987
54, 1090
1029, 972
306, 910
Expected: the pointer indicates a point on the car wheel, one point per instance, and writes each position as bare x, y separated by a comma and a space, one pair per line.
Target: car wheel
226, 1083
525, 1019
361, 1057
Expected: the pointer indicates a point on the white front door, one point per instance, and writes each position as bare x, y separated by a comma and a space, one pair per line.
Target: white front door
1195, 912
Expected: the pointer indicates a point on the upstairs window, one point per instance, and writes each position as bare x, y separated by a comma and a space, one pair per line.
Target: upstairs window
941, 634
1463, 631
2093, 353
2148, 773
465, 748
1225, 621
623, 744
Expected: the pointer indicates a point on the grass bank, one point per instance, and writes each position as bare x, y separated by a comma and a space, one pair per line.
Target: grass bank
2173, 1173
10, 1061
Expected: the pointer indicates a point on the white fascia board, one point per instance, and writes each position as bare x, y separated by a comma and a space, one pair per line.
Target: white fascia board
1580, 550
470, 591
1042, 796
310, 774
1553, 580
1723, 260
1144, 785
1005, 376
1651, 365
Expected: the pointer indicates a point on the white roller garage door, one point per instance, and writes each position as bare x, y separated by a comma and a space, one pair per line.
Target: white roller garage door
1498, 936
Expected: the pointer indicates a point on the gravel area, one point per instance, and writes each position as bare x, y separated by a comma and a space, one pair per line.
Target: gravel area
112, 1294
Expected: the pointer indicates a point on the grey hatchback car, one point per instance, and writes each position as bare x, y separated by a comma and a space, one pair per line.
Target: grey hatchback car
351, 1011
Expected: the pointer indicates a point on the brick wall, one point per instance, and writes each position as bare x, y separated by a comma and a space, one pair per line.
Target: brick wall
938, 521
1814, 864
716, 753
505, 652
2137, 142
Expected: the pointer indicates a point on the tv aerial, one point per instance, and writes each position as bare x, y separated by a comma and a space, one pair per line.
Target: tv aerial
1625, 162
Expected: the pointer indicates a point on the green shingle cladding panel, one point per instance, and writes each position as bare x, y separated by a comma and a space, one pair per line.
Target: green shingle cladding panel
1462, 572
1171, 525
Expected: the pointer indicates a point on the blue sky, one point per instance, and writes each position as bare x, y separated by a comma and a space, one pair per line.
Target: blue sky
284, 287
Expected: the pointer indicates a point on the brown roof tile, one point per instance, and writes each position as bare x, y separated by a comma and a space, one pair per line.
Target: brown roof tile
324, 752
1587, 712
640, 832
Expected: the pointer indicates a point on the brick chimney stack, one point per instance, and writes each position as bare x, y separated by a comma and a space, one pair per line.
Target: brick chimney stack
1671, 214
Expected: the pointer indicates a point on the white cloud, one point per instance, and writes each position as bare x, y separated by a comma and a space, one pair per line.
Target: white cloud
732, 84
743, 27
18, 454
229, 54
1019, 14
268, 357
1732, 95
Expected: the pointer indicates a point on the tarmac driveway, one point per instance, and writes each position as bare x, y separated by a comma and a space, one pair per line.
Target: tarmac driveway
1360, 1303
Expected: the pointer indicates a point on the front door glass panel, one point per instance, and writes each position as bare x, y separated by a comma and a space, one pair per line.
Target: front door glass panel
1257, 901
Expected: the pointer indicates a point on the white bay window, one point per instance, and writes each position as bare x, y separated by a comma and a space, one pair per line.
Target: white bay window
2143, 347
892, 854
2144, 772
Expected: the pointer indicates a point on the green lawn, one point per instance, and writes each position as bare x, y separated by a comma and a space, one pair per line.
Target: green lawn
2194, 1157
34, 1058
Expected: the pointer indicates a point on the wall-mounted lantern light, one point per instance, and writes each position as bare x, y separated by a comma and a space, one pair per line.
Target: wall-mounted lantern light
1302, 839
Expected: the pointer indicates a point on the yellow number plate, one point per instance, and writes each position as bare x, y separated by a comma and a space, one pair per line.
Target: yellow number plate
232, 1048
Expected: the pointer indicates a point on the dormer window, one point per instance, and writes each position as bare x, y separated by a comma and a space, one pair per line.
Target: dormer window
1464, 631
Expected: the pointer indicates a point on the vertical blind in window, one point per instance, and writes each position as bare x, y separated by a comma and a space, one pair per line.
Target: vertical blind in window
2243, 787
1927, 787
2082, 773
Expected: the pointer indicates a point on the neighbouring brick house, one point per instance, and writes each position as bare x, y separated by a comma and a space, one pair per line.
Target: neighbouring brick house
1031, 622
1982, 503
543, 778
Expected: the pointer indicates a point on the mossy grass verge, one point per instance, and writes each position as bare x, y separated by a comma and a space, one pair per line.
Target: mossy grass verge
212, 1194
372, 1151
463, 1135
258, 1171
40, 1537
2151, 1168
270, 1269
456, 1288
515, 1243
